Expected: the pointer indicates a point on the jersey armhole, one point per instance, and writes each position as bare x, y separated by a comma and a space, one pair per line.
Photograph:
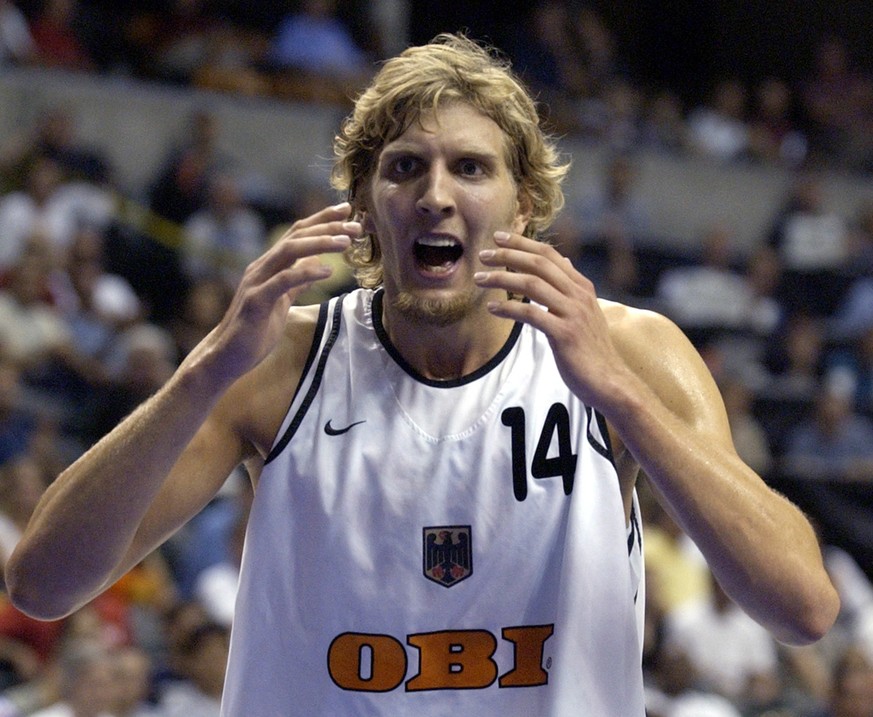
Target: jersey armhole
322, 342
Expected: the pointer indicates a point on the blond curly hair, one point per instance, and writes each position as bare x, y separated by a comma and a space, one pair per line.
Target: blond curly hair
451, 68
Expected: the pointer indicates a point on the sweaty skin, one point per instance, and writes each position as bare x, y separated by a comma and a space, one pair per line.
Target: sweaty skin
446, 180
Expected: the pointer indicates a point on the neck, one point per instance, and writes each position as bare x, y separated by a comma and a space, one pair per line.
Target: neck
444, 352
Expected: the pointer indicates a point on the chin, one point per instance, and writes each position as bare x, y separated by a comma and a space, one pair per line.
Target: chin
436, 310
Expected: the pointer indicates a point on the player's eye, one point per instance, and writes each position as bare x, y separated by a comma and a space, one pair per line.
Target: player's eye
405, 165
470, 168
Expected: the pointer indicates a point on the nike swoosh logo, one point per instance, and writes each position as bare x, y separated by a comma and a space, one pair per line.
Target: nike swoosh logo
331, 431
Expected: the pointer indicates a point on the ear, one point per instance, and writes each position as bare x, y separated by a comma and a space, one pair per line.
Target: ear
523, 211
366, 221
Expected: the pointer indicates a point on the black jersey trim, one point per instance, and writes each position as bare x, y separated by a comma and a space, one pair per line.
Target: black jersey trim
382, 334
319, 371
605, 448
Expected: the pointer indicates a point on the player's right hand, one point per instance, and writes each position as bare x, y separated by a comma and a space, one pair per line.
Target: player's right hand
253, 323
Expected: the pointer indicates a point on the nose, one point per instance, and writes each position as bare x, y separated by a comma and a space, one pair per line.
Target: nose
436, 198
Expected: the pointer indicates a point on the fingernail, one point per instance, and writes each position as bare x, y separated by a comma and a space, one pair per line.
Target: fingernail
341, 205
487, 254
480, 276
352, 226
342, 239
501, 237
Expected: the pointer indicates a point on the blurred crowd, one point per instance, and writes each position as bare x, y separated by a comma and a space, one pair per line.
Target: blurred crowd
100, 299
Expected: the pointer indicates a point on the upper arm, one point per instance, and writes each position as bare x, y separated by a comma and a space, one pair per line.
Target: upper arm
660, 354
240, 429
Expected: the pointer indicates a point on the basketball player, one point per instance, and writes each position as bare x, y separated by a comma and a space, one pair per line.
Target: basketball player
444, 460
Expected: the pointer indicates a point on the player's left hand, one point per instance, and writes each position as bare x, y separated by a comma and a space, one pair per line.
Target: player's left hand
572, 320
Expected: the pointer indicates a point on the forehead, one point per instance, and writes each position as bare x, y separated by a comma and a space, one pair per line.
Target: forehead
455, 126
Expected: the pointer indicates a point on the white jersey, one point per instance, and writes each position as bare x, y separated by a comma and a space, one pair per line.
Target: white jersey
431, 548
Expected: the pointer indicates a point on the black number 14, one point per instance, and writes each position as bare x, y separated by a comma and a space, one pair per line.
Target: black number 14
543, 465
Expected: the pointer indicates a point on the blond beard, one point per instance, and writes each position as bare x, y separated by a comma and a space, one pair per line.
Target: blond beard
435, 312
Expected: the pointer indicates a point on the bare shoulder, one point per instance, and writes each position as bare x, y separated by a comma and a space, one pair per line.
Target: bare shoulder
260, 399
657, 351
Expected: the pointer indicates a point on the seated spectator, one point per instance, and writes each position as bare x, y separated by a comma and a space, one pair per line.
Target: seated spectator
794, 361
854, 313
18, 421
202, 308
16, 41
811, 239
132, 681
727, 648
663, 128
774, 136
718, 128
710, 293
22, 484
57, 41
674, 689
143, 361
202, 659
835, 100
85, 685
851, 365
852, 686
314, 40
615, 208
750, 438
33, 211
860, 240
834, 443
224, 236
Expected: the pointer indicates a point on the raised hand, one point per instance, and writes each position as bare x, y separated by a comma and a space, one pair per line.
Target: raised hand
254, 321
565, 308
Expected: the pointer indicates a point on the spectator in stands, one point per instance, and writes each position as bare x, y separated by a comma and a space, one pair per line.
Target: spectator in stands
57, 40
31, 211
860, 245
85, 689
202, 657
22, 483
144, 359
836, 101
774, 136
851, 365
674, 688
811, 239
181, 185
718, 129
616, 207
711, 293
749, 436
727, 648
223, 237
852, 688
132, 680
86, 289
18, 422
662, 126
216, 585
314, 40
795, 358
833, 443
16, 41
202, 308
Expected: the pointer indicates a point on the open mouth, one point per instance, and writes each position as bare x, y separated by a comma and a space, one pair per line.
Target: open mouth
437, 254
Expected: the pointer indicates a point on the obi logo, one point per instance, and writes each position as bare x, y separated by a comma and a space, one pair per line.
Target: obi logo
448, 660
448, 554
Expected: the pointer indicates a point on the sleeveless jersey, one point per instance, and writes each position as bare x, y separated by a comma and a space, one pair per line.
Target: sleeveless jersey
433, 548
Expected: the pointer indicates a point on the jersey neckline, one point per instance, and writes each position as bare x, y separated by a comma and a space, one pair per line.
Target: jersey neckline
382, 334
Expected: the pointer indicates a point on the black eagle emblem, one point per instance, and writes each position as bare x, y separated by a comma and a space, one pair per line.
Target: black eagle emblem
448, 554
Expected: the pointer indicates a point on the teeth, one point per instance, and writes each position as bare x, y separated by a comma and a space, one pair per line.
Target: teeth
437, 241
